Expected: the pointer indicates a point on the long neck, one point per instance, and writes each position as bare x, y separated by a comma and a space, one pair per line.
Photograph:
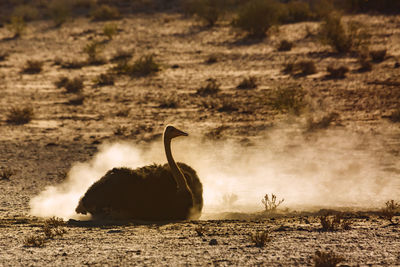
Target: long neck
176, 172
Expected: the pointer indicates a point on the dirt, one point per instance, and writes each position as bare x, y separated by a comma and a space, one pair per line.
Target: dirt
41, 152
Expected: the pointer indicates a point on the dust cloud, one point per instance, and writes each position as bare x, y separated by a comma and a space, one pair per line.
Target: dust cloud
336, 168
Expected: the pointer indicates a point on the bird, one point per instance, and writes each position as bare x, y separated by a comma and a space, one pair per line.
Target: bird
168, 192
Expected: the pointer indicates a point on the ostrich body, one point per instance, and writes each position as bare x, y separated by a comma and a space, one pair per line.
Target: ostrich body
172, 191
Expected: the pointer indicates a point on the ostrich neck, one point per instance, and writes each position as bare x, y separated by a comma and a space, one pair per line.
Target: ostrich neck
176, 172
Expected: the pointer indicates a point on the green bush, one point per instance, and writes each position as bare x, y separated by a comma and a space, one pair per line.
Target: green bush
257, 16
105, 12
342, 38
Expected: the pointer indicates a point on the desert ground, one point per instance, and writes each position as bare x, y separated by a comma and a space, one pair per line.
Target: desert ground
68, 128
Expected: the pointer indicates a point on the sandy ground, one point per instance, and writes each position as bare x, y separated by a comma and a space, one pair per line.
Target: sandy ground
41, 152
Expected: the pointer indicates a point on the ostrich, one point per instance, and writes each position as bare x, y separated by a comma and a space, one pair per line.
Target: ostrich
172, 191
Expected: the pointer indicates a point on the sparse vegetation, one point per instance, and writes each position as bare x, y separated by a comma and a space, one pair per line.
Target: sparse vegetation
74, 85
17, 26
260, 238
200, 230
211, 88
343, 38
334, 223
5, 174
59, 11
337, 72
72, 64
121, 130
326, 259
395, 116
33, 67
36, 241
365, 63
76, 100
109, 30
301, 68
321, 123
207, 10
26, 12
105, 12
257, 16
122, 55
391, 209
378, 55
285, 45
93, 50
169, 102
123, 112
61, 81
289, 99
248, 83
271, 203
105, 79
17, 115
144, 66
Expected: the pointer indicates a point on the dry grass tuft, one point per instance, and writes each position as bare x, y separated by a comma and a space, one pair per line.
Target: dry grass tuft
285, 45
21, 115
104, 79
109, 30
32, 67
334, 223
289, 99
301, 68
211, 88
378, 55
144, 66
248, 83
74, 85
326, 259
93, 51
34, 241
260, 238
17, 26
105, 12
6, 174
337, 72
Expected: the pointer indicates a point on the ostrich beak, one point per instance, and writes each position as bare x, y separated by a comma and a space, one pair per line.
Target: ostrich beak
180, 133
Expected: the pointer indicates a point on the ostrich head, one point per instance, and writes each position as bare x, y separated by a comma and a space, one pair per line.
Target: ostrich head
171, 132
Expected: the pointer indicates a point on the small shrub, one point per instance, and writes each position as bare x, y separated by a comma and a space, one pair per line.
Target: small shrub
200, 230
260, 238
72, 64
122, 55
76, 100
17, 26
337, 72
20, 115
74, 86
124, 112
298, 11
365, 64
121, 130
59, 11
378, 55
3, 55
169, 102
105, 12
390, 210
211, 88
395, 116
207, 10
6, 174
227, 105
257, 16
144, 66
322, 123
248, 83
289, 99
216, 133
27, 12
301, 68
271, 204
34, 241
109, 30
285, 45
122, 67
61, 82
93, 50
104, 79
326, 259
334, 223
33, 67
342, 38
212, 59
